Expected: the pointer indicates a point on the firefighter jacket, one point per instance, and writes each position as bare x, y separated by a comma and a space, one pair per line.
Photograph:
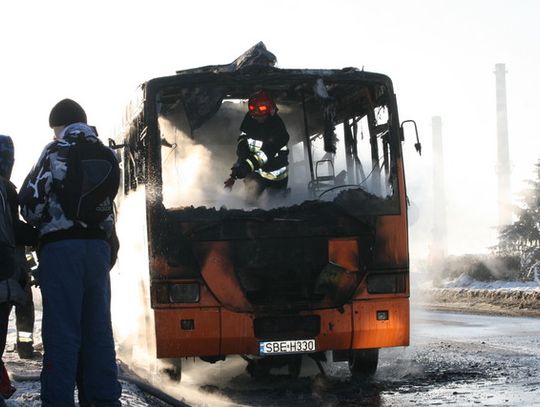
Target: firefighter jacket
263, 146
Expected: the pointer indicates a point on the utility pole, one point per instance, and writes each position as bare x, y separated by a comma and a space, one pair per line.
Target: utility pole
439, 245
504, 194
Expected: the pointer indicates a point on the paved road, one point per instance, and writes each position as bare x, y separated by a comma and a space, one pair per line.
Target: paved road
454, 359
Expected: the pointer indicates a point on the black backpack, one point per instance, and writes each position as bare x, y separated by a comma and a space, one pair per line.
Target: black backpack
91, 182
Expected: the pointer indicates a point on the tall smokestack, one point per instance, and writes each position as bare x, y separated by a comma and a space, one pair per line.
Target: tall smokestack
439, 241
503, 155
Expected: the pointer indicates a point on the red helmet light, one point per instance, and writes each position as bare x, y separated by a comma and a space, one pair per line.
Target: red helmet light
261, 104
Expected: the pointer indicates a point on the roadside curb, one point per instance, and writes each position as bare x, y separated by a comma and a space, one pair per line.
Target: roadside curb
484, 301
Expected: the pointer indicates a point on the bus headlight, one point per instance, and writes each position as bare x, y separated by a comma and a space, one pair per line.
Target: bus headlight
386, 283
188, 292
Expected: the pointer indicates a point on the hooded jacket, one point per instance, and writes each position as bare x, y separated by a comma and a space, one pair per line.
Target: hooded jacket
40, 205
14, 234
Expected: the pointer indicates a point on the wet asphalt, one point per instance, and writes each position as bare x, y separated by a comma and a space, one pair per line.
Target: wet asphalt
455, 359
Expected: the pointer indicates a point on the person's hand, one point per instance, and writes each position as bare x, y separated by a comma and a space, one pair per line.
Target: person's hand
240, 169
11, 292
229, 183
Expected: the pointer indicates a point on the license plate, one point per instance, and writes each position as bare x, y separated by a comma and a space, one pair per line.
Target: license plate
285, 347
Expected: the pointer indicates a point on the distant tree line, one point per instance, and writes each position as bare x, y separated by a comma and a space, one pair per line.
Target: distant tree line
522, 238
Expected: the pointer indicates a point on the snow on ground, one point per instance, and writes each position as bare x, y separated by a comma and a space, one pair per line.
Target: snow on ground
465, 281
518, 298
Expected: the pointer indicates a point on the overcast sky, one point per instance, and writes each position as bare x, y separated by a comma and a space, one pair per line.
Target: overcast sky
439, 54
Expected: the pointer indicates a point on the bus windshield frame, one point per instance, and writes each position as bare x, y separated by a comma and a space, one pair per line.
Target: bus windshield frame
196, 120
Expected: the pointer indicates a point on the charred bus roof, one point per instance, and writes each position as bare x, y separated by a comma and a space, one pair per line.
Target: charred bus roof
350, 91
312, 102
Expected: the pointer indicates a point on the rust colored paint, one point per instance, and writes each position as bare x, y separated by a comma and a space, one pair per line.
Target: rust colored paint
391, 246
368, 332
159, 267
403, 242
237, 335
222, 332
218, 272
336, 329
173, 341
344, 252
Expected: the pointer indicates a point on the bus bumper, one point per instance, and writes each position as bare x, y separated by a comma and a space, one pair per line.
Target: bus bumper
213, 331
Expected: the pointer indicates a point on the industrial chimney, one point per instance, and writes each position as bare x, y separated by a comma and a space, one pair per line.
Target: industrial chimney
503, 156
438, 249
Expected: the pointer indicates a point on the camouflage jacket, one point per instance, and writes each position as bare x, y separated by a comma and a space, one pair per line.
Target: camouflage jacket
40, 206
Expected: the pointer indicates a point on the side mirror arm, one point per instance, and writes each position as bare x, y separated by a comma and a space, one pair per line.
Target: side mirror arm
417, 145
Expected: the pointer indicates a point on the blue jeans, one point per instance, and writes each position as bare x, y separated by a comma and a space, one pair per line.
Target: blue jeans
76, 294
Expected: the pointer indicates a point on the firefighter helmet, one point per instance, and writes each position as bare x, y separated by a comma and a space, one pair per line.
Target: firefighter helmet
261, 104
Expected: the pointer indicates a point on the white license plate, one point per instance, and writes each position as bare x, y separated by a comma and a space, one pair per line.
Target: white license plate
284, 347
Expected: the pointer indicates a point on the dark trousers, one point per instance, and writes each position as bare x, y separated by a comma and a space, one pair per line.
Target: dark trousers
24, 314
75, 288
256, 185
5, 310
6, 388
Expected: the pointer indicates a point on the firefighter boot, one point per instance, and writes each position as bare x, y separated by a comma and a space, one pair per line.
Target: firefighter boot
25, 345
26, 350
6, 389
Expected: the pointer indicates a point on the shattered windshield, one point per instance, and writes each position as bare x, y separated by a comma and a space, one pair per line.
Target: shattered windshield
294, 144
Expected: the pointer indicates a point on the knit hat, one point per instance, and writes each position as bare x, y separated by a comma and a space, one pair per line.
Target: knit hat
66, 112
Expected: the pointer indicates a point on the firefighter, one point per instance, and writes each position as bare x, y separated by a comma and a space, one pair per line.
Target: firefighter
262, 149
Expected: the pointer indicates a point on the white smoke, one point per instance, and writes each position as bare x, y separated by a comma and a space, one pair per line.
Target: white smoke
133, 317
130, 303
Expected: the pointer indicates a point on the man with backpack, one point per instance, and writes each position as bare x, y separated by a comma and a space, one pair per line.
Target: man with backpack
69, 196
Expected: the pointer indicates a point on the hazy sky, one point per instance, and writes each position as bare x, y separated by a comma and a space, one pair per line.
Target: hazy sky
440, 55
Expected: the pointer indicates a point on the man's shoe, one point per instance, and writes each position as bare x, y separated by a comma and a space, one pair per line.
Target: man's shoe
26, 350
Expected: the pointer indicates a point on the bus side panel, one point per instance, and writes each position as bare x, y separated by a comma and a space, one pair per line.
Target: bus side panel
176, 337
368, 332
237, 336
391, 248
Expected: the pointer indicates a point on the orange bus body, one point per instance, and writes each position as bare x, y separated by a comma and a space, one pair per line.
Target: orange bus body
358, 295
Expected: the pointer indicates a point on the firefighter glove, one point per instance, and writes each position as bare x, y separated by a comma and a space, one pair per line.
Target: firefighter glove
229, 183
240, 169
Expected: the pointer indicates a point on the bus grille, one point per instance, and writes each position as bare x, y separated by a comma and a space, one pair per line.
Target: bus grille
287, 327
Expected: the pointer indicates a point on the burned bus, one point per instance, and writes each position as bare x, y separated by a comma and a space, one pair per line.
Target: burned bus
321, 269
